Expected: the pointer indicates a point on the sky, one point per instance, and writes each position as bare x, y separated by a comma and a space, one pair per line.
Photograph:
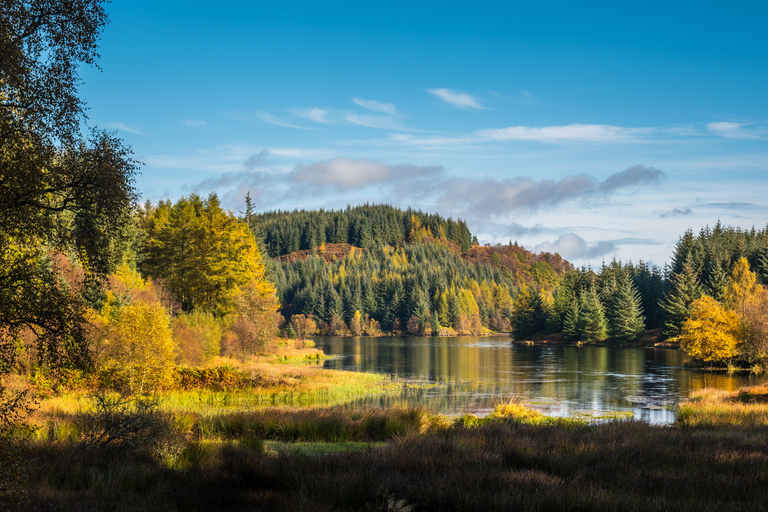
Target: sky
598, 130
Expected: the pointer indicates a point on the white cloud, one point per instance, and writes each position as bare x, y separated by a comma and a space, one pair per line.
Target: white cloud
347, 174
381, 122
125, 128
731, 130
386, 108
568, 133
318, 115
572, 247
457, 99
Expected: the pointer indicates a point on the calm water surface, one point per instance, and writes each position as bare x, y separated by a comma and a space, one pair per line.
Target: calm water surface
473, 374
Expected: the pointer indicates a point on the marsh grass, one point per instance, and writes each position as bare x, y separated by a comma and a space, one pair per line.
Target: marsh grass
513, 459
717, 408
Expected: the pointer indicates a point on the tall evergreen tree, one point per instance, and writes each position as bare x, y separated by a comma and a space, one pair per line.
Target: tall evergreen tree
626, 319
592, 322
683, 290
571, 327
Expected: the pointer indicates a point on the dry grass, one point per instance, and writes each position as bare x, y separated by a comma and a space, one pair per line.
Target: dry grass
717, 408
506, 463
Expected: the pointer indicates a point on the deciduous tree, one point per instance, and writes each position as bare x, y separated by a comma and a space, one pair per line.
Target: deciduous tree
711, 333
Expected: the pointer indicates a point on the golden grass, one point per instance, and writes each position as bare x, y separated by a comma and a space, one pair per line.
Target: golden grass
714, 407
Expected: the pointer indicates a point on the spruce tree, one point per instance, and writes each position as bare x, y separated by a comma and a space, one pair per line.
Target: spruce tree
684, 289
592, 318
627, 322
571, 329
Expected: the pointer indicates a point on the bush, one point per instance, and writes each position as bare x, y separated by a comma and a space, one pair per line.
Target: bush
124, 421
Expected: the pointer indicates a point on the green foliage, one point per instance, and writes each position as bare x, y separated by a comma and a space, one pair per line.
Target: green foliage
713, 252
626, 315
392, 284
530, 314
60, 192
683, 290
591, 323
365, 226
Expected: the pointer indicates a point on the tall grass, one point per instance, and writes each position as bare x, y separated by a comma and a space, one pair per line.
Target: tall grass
717, 408
507, 463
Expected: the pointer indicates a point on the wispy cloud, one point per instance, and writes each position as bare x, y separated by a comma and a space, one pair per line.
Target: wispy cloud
637, 175
457, 99
347, 174
269, 118
318, 115
569, 133
676, 212
125, 128
491, 196
386, 108
194, 123
731, 130
380, 122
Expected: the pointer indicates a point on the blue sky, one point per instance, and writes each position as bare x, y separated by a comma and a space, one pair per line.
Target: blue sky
596, 129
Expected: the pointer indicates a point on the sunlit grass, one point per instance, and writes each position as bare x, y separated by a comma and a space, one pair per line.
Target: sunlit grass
713, 407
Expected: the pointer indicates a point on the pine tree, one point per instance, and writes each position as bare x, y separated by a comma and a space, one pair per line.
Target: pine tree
684, 289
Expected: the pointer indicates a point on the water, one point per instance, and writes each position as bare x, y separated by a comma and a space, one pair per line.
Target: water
472, 374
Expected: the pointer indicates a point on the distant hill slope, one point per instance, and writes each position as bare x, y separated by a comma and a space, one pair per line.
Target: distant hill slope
406, 270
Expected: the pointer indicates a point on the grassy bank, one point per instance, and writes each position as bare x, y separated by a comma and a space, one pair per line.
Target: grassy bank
514, 459
209, 456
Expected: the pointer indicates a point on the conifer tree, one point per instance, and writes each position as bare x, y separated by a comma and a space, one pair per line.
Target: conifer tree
626, 319
684, 289
592, 318
571, 328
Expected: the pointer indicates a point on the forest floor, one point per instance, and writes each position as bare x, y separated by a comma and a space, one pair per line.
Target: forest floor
235, 455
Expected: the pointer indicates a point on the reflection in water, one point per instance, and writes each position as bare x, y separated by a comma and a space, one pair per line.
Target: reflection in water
474, 374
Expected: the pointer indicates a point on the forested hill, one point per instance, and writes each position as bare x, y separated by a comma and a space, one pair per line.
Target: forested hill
364, 226
377, 267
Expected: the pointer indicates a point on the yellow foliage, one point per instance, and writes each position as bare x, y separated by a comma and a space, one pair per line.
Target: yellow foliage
742, 289
711, 333
141, 344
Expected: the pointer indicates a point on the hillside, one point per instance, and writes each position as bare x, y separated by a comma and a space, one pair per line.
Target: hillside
376, 268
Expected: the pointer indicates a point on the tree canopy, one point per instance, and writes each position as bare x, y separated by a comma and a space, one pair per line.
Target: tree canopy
59, 192
203, 254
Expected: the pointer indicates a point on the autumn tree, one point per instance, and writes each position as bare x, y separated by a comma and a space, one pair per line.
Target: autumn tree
711, 333
255, 316
140, 347
742, 288
203, 253
304, 326
745, 297
60, 192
